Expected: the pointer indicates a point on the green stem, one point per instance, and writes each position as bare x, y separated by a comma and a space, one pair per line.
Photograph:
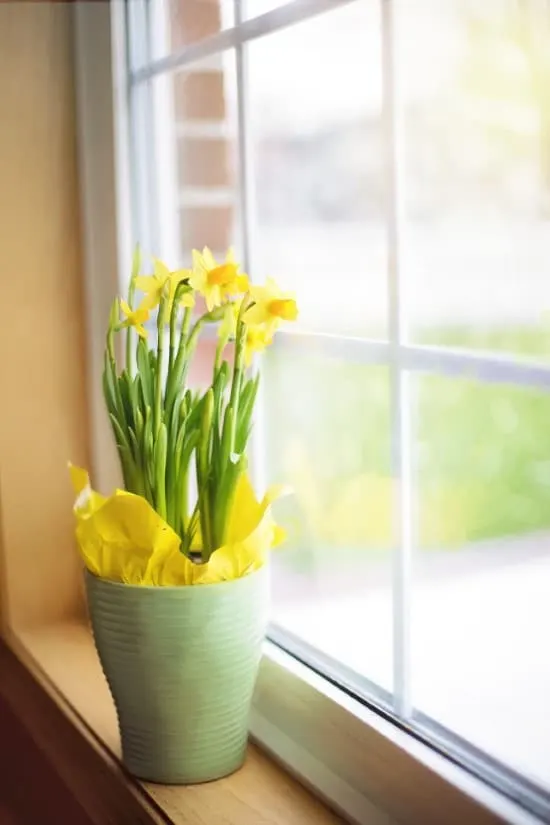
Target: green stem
203, 481
136, 263
186, 322
238, 369
160, 363
130, 333
173, 322
160, 471
190, 530
195, 332
181, 287
215, 315
113, 322
183, 501
219, 352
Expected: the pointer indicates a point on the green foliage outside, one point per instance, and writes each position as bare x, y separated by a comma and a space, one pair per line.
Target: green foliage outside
481, 451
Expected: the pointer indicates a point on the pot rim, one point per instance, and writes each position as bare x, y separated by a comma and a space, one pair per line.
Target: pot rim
176, 588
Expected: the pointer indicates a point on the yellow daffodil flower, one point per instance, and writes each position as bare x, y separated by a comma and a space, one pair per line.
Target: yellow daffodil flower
271, 306
135, 317
257, 336
216, 281
187, 300
228, 327
163, 281
257, 339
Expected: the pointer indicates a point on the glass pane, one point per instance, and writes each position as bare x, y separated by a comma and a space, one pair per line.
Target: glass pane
477, 138
482, 575
175, 24
253, 8
196, 175
318, 167
327, 434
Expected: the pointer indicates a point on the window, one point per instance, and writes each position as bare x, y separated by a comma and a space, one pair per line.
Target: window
390, 162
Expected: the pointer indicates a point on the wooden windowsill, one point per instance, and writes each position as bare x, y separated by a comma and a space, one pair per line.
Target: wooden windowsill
261, 793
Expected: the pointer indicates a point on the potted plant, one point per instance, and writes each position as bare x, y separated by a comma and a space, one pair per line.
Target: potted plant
177, 583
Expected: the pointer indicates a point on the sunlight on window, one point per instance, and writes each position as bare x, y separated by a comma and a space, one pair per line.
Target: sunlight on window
474, 102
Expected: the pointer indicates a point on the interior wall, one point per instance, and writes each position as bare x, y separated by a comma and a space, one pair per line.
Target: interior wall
43, 409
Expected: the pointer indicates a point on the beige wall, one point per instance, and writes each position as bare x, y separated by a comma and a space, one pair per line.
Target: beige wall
43, 415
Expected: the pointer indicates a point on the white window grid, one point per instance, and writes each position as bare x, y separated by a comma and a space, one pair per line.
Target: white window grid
401, 357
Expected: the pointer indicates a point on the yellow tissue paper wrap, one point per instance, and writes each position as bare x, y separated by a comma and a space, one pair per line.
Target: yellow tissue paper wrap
123, 539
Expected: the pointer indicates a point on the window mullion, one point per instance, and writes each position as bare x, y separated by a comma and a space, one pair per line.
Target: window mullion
244, 147
140, 108
164, 141
288, 14
247, 210
399, 378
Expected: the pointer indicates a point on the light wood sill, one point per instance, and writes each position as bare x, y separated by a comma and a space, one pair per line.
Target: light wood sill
261, 793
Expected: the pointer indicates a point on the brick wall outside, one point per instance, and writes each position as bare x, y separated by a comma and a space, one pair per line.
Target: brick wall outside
204, 162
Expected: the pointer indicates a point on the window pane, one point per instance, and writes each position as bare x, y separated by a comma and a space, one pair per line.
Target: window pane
175, 24
482, 575
315, 102
196, 170
327, 432
477, 137
253, 8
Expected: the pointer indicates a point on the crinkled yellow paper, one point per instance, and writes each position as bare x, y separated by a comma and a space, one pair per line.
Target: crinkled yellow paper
123, 539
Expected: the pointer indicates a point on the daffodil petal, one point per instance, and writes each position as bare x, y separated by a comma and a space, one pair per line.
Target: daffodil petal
162, 272
151, 300
209, 260
187, 300
80, 478
256, 314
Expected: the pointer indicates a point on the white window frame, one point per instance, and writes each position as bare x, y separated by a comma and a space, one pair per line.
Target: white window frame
372, 770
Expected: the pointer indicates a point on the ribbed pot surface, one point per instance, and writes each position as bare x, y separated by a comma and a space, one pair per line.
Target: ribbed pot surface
181, 663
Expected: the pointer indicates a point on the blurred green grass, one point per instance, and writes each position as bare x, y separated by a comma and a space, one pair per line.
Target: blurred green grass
481, 452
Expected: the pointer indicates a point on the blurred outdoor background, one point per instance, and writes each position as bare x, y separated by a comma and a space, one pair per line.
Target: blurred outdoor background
475, 258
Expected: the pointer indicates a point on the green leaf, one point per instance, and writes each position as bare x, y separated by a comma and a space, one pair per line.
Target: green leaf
135, 395
139, 429
176, 377
160, 471
125, 387
111, 389
136, 452
194, 417
246, 409
108, 392
122, 437
202, 462
184, 454
145, 373
136, 262
175, 417
226, 438
127, 461
184, 449
147, 448
139, 481
127, 465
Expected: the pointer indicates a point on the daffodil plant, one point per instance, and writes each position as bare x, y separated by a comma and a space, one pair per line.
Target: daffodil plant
168, 433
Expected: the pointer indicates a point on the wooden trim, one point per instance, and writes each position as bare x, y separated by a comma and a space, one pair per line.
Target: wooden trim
88, 782
44, 399
261, 792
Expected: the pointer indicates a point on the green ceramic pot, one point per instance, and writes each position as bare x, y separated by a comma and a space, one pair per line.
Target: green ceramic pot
181, 663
